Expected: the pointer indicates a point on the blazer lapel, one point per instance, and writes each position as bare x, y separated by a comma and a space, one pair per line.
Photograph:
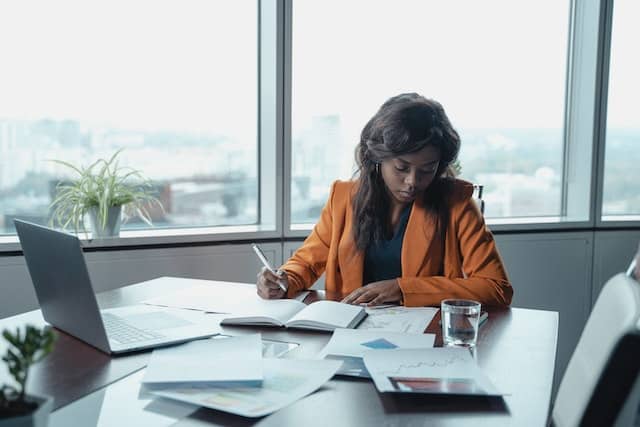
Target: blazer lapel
350, 259
417, 250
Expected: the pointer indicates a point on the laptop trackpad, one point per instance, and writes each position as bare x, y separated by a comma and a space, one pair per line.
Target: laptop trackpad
156, 320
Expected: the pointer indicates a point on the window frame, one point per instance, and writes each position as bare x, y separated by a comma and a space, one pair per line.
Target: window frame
584, 129
269, 157
584, 142
606, 31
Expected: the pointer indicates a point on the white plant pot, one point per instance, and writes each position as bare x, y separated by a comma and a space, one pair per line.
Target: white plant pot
112, 227
37, 418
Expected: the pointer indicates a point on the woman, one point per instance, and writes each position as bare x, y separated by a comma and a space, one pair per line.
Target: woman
404, 230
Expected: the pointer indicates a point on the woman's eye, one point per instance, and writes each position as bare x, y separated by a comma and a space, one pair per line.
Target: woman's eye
401, 168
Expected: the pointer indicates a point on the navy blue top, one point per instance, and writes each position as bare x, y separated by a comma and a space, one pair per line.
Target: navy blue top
382, 257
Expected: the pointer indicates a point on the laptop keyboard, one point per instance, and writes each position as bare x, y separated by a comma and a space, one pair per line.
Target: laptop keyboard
124, 333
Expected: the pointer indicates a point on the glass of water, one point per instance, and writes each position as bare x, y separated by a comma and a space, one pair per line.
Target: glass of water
460, 318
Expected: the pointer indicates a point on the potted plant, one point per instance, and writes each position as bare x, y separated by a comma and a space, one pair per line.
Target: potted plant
18, 409
106, 192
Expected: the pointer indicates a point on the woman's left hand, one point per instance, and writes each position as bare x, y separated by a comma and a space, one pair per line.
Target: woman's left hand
376, 293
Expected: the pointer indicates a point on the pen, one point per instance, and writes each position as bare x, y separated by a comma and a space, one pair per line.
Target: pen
265, 262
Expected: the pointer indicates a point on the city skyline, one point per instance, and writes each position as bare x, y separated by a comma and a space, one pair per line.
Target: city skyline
223, 190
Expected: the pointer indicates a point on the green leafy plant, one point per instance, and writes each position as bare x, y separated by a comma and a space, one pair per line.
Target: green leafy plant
26, 349
102, 185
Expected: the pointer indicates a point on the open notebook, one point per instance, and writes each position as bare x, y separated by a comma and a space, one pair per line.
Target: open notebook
320, 315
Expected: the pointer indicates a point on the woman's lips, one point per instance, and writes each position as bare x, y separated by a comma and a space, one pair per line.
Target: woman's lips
407, 195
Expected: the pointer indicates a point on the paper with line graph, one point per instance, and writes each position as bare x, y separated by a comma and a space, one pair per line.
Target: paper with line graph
349, 345
409, 320
444, 370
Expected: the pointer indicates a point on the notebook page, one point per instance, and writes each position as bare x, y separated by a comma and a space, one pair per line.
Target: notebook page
326, 313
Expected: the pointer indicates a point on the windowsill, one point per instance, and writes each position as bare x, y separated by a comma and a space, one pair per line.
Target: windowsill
184, 236
516, 224
620, 218
164, 236
531, 222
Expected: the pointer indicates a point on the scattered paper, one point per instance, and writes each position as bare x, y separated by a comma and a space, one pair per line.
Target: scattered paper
285, 381
234, 360
350, 345
444, 370
270, 348
208, 295
225, 297
409, 320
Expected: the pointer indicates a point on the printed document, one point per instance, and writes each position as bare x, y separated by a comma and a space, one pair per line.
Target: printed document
229, 361
410, 320
285, 381
442, 370
350, 345
214, 296
207, 295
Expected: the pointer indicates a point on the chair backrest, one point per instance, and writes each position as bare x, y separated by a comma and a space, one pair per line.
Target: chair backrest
605, 364
477, 196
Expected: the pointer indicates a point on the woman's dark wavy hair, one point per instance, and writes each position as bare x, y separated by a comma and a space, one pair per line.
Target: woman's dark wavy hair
404, 124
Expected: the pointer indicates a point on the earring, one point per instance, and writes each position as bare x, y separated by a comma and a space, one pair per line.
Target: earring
378, 168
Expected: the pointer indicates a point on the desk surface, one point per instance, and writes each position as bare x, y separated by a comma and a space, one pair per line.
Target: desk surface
516, 348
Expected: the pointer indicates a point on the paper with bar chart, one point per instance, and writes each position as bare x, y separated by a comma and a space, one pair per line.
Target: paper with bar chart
349, 345
447, 370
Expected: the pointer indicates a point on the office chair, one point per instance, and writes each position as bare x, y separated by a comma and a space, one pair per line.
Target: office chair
477, 196
600, 386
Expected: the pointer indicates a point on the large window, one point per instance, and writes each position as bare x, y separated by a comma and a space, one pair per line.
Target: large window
497, 66
174, 83
243, 112
621, 194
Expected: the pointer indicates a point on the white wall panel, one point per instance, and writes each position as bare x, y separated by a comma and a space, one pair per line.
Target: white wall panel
552, 272
613, 251
110, 270
16, 291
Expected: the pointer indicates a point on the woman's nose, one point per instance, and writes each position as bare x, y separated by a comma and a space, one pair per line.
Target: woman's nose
410, 179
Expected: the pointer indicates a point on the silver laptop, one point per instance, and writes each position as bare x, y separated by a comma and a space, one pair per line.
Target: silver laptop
59, 274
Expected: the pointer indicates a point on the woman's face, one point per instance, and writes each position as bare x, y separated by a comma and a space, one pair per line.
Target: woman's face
408, 175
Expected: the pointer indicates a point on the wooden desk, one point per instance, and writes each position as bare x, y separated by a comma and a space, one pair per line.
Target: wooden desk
516, 348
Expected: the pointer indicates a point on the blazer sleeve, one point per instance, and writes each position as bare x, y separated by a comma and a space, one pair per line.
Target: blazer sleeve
308, 263
485, 278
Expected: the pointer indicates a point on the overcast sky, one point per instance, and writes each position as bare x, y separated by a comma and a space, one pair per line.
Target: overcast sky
191, 64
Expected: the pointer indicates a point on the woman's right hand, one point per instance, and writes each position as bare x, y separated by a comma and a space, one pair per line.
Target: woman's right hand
267, 284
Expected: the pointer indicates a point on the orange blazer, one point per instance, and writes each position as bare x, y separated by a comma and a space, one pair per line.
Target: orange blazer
467, 265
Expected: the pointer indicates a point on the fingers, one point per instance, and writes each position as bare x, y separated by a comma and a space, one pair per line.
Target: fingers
267, 284
268, 275
351, 297
270, 293
375, 293
365, 297
380, 299
360, 296
273, 279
